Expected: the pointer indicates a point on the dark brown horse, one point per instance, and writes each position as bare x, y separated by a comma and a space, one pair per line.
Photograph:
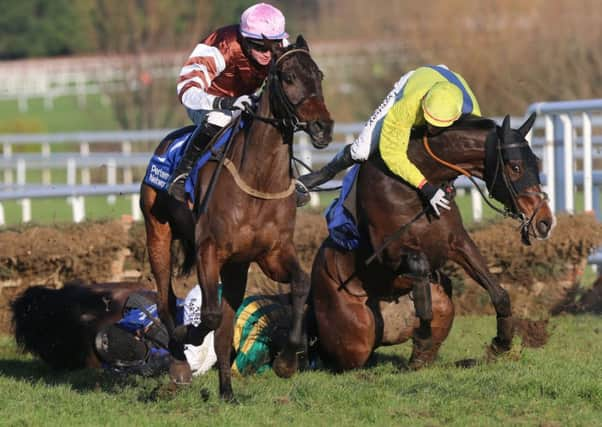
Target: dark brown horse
250, 216
59, 325
358, 303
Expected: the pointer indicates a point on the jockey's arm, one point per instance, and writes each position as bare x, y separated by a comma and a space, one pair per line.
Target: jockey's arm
395, 138
202, 67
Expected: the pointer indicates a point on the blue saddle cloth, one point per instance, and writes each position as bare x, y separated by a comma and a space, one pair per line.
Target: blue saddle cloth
160, 167
342, 227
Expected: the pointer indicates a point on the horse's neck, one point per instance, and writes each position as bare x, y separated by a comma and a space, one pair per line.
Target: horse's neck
465, 150
263, 157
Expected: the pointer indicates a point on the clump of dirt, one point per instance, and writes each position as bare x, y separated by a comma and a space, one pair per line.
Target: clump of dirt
533, 333
537, 277
90, 252
51, 255
582, 301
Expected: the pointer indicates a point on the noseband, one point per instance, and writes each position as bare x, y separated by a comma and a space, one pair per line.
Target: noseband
502, 188
285, 112
499, 184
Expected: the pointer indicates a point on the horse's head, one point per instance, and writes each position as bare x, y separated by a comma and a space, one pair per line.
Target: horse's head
296, 97
512, 177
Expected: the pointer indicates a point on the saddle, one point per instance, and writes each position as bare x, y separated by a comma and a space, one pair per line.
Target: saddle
161, 166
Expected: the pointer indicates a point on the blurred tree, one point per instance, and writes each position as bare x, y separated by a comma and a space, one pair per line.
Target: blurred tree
147, 97
30, 28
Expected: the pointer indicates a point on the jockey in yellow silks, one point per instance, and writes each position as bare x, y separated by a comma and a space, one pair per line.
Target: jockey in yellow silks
430, 94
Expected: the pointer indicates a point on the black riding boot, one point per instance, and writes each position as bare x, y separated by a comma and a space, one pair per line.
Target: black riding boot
197, 142
340, 162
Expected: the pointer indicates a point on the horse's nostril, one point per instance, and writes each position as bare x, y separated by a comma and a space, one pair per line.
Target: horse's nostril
543, 227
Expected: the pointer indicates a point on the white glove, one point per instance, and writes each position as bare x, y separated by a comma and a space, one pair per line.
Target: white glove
439, 201
233, 102
436, 197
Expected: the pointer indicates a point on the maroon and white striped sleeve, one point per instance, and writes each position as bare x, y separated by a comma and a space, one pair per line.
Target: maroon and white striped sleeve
204, 64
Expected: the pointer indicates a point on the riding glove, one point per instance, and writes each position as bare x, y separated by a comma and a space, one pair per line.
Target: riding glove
233, 102
436, 197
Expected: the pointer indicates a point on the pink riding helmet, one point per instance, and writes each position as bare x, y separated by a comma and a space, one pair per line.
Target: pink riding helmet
263, 20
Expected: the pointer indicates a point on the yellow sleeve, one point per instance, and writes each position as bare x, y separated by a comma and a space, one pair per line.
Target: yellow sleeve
395, 138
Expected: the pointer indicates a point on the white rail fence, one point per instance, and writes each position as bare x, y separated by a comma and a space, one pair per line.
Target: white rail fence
566, 135
117, 160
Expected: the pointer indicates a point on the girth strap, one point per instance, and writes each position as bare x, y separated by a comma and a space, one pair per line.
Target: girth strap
253, 192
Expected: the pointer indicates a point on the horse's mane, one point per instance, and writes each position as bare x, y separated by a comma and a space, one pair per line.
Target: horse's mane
465, 122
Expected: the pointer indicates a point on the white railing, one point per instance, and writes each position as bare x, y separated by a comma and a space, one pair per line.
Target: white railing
130, 150
569, 136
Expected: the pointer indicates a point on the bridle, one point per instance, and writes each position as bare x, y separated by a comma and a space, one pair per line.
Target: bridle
285, 113
499, 184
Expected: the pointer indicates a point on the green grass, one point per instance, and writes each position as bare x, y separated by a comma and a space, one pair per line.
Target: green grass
52, 211
559, 384
65, 116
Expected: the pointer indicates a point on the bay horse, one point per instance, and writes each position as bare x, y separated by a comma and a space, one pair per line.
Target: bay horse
358, 294
250, 216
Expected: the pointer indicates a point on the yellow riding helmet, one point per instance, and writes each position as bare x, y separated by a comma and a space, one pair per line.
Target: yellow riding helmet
442, 104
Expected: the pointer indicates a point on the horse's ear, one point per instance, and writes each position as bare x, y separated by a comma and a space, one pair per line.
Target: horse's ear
526, 127
301, 43
506, 131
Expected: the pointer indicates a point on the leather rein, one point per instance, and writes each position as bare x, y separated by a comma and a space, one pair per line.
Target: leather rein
288, 123
525, 223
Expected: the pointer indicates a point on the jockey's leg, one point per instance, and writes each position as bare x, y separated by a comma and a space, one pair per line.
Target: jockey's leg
196, 144
419, 269
340, 162
357, 152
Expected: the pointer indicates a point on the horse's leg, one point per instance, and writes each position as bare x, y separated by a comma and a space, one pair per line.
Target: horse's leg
234, 279
282, 265
158, 242
440, 325
466, 254
346, 325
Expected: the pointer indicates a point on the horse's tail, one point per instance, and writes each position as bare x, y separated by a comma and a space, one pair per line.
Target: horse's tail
184, 256
56, 325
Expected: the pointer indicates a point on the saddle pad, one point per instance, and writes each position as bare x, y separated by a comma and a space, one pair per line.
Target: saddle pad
341, 214
160, 167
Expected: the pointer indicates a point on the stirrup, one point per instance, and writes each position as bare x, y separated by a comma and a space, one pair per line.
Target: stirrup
176, 187
302, 196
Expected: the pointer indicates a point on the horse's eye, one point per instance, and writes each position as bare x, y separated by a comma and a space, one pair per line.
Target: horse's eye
288, 78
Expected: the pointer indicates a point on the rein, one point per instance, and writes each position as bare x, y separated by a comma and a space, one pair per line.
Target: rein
251, 191
290, 120
525, 223
468, 175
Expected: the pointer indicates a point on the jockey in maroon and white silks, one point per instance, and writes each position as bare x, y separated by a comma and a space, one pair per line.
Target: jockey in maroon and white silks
221, 75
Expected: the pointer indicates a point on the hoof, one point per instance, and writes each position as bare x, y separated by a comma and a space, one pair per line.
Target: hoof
498, 348
285, 366
179, 372
417, 363
422, 357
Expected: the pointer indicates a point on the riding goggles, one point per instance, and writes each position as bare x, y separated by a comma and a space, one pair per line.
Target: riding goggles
261, 45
